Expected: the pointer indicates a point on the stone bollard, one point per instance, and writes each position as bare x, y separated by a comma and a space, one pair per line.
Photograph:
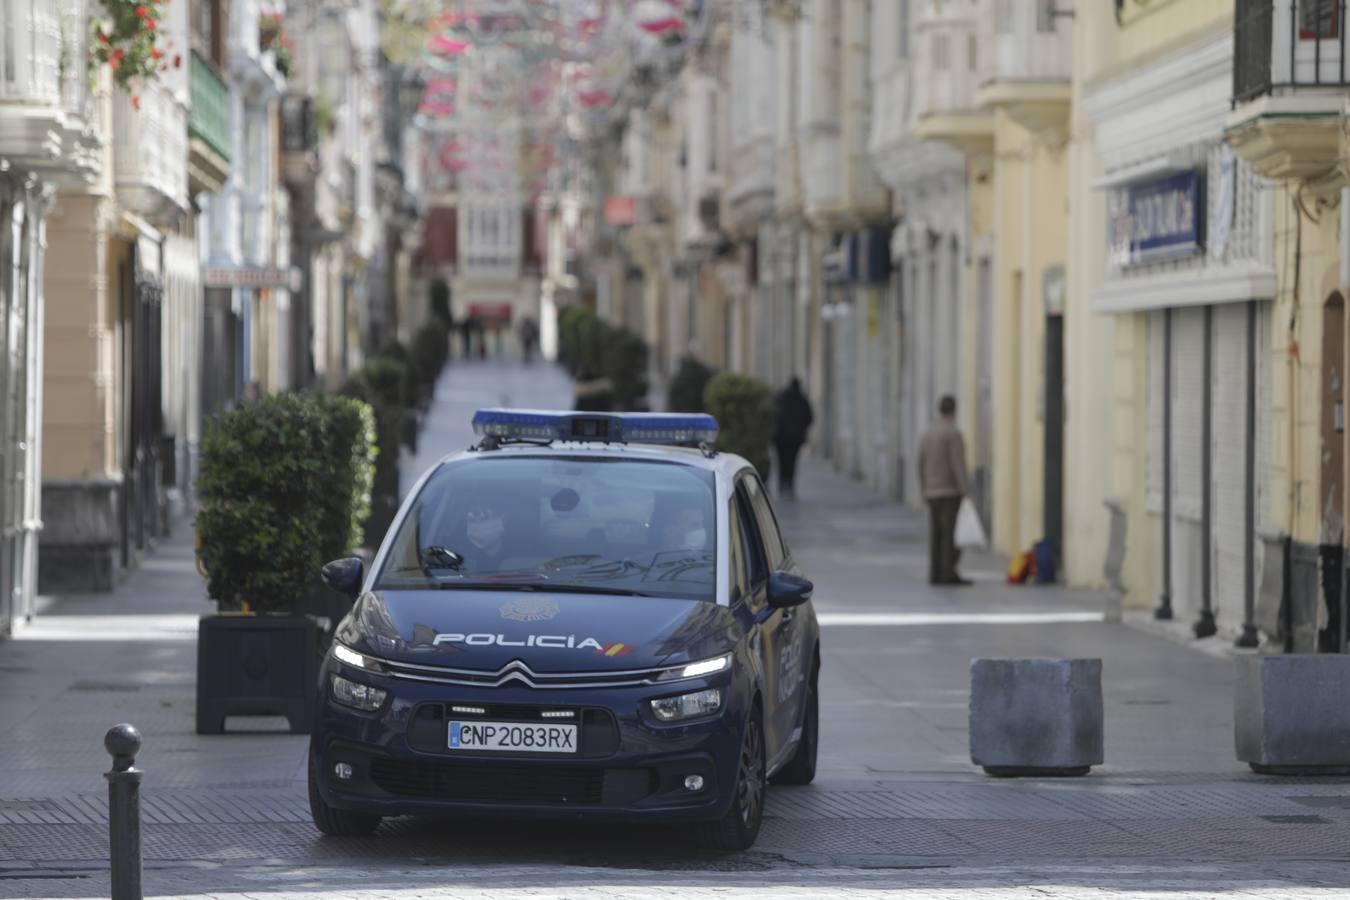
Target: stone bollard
1036, 717
1290, 716
124, 812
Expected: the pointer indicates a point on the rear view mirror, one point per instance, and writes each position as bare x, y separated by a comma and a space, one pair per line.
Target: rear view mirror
786, 590
344, 575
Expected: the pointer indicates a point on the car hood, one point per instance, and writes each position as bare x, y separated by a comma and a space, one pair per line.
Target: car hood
551, 632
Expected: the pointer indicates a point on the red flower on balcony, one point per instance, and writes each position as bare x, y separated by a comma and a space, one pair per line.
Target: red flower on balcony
127, 41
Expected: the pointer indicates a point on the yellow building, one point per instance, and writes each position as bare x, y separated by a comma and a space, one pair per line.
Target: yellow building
1027, 88
1172, 250
1288, 123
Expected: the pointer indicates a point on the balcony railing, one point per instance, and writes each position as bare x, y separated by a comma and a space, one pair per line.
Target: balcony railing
43, 47
1030, 44
950, 48
209, 118
150, 152
1283, 45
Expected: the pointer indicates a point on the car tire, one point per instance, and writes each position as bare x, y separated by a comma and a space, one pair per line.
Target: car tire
336, 822
801, 769
739, 827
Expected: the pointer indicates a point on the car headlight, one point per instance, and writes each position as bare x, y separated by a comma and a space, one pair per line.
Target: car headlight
343, 653
357, 695
687, 706
697, 669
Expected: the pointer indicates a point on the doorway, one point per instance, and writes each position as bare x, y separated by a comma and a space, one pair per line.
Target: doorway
1333, 456
1054, 435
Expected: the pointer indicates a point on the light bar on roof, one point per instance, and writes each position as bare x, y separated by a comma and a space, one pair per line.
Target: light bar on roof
679, 429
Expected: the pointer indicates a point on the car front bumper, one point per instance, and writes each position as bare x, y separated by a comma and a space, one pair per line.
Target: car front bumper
627, 768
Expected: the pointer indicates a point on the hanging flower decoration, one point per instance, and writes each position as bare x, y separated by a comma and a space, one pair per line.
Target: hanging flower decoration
128, 42
272, 36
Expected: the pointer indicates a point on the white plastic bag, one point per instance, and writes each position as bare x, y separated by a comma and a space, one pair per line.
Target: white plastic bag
969, 531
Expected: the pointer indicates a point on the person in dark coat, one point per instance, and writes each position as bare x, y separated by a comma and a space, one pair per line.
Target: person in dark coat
792, 420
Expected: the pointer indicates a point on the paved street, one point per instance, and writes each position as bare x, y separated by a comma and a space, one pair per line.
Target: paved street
897, 806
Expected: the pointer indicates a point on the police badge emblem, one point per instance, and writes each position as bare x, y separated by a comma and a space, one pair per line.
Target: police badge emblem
529, 609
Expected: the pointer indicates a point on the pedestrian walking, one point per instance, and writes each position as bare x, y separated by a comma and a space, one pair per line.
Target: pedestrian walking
942, 469
466, 335
792, 420
529, 335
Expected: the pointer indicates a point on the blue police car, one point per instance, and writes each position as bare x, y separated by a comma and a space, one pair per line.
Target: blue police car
585, 615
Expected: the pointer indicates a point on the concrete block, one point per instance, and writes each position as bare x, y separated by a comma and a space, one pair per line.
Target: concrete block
1036, 716
1290, 715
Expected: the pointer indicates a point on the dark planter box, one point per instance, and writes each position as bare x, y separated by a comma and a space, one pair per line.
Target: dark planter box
257, 666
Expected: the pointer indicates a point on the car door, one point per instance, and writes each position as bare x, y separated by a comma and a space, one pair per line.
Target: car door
754, 594
790, 632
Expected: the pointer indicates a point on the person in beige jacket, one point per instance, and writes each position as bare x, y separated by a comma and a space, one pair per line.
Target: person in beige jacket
942, 471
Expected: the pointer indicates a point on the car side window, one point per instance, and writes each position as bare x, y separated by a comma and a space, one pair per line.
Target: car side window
740, 576
774, 545
758, 564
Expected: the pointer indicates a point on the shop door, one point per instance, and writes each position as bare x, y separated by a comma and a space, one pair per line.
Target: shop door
1333, 456
1054, 433
984, 395
9, 498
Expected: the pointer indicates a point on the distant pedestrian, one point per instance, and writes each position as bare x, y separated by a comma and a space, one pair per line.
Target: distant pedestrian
529, 336
466, 335
942, 468
792, 420
252, 392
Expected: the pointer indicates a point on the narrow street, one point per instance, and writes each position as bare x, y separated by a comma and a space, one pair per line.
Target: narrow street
897, 806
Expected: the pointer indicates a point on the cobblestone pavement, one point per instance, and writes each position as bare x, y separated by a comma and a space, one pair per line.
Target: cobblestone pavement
897, 807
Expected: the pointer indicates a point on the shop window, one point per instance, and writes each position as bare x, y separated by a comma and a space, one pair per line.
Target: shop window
902, 14
1045, 16
941, 52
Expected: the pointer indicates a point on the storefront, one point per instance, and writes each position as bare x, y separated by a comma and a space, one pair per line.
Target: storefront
23, 206
1188, 271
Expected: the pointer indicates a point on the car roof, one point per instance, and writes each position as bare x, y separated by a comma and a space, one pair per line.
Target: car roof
725, 464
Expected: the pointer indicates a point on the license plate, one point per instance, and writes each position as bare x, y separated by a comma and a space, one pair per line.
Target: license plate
513, 736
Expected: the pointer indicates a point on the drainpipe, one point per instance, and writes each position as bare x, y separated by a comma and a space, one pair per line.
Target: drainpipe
1164, 610
1204, 626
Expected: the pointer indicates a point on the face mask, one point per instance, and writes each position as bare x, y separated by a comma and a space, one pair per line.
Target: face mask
694, 540
484, 534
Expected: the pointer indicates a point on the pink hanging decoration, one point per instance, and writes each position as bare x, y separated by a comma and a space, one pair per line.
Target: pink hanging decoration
662, 26
591, 99
449, 46
432, 108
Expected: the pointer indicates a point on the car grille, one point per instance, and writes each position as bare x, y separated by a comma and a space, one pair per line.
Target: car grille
475, 783
597, 735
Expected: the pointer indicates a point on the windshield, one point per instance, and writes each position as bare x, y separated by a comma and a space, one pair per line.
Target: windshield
564, 524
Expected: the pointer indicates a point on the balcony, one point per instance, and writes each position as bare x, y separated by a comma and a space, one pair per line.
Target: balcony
1029, 73
46, 109
950, 48
150, 153
1289, 81
751, 179
208, 128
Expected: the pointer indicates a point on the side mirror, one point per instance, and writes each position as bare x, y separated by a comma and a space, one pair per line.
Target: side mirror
344, 575
787, 590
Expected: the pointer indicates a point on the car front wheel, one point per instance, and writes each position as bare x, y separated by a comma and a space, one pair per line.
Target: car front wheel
738, 829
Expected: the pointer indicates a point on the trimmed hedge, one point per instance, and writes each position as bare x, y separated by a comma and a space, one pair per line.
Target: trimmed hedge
594, 352
285, 486
743, 407
685, 391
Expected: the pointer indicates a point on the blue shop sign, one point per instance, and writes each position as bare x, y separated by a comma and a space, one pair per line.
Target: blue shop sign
1157, 220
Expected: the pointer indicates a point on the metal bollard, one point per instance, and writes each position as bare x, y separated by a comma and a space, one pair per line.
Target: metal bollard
124, 812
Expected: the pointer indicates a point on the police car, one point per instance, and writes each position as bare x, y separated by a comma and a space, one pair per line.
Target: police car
585, 615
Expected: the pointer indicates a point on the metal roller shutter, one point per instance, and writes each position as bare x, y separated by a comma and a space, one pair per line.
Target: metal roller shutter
1187, 425
1229, 473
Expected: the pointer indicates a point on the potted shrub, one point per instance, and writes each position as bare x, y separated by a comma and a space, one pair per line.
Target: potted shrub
624, 361
743, 407
685, 392
283, 482
427, 356
383, 383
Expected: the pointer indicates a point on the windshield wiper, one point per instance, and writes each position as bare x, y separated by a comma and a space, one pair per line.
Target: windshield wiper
523, 587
